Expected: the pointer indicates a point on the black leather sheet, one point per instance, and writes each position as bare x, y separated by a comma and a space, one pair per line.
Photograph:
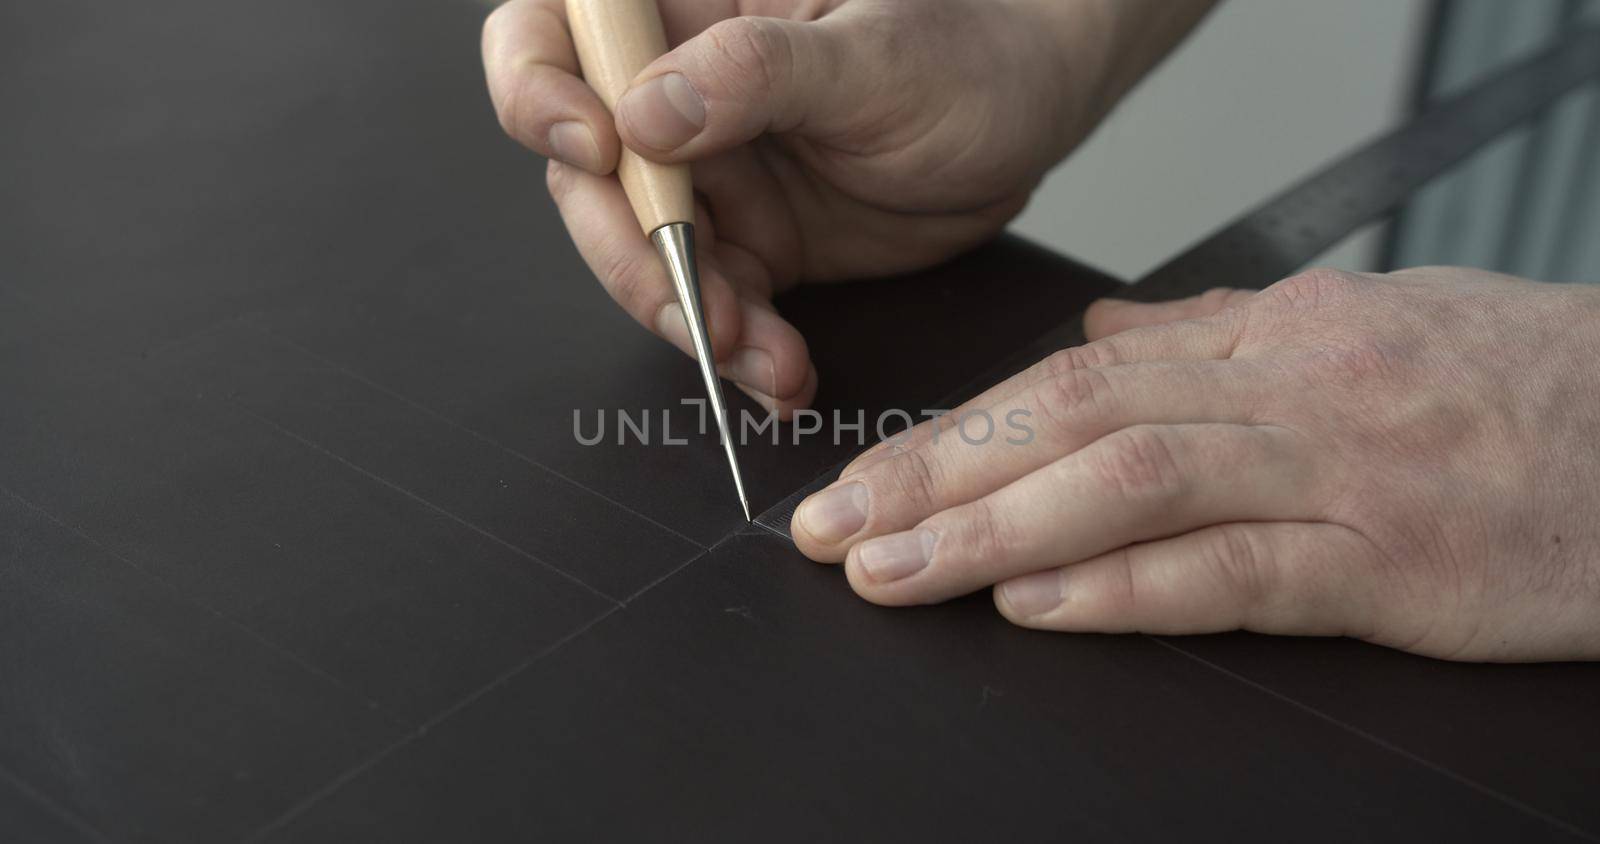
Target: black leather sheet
296, 543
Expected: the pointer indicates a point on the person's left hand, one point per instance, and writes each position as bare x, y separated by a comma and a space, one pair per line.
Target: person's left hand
1410, 459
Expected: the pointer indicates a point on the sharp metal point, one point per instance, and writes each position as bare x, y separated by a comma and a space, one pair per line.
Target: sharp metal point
675, 243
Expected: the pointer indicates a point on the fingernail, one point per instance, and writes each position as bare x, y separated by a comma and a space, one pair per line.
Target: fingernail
1033, 595
572, 142
665, 112
670, 324
835, 514
901, 555
753, 368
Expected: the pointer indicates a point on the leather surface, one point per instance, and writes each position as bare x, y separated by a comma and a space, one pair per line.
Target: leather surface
296, 542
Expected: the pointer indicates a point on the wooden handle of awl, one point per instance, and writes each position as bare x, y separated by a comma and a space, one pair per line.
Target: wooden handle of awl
616, 39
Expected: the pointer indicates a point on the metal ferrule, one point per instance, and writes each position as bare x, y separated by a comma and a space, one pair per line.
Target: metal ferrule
675, 243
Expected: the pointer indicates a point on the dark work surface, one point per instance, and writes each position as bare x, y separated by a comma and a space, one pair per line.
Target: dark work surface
296, 543
26, 815
755, 721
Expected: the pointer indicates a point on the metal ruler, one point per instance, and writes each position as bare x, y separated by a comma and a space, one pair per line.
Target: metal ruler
1302, 222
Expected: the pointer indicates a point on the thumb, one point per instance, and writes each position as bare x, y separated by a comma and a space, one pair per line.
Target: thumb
1113, 316
740, 78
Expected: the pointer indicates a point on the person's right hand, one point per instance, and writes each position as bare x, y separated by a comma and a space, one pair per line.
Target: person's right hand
830, 140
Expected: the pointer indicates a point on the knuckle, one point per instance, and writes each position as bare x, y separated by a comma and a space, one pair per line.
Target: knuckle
1439, 272
1234, 556
557, 179
494, 25
1088, 356
1311, 289
1216, 299
508, 108
977, 532
1070, 395
1121, 593
1062, 360
752, 53
912, 478
522, 103
629, 282
1138, 463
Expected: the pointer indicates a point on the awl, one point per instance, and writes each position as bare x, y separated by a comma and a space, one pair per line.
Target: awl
616, 39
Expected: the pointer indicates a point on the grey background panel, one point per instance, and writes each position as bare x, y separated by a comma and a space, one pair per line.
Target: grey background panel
1527, 204
1360, 187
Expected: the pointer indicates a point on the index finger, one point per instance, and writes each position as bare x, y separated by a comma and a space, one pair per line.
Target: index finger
537, 90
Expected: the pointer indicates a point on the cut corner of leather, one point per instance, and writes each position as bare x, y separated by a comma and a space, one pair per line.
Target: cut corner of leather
776, 519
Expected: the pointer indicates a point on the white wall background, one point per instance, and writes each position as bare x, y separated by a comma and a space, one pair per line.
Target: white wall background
1264, 92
